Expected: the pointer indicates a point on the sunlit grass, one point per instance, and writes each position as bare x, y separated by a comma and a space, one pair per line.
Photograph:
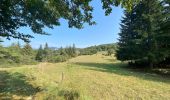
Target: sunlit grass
95, 77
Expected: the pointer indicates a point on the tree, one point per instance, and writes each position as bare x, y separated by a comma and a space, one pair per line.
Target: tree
129, 46
110, 52
27, 49
15, 48
7, 57
27, 55
139, 30
69, 51
62, 51
74, 51
151, 18
46, 46
163, 38
46, 51
39, 56
37, 14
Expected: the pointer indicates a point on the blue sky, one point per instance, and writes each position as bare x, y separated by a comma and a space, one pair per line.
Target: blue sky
106, 31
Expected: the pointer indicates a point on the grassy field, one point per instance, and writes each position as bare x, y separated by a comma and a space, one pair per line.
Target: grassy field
94, 77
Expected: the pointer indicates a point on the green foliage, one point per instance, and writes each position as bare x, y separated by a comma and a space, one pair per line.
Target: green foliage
94, 49
28, 55
69, 95
15, 54
7, 57
38, 14
129, 46
60, 58
88, 51
27, 50
39, 55
60, 55
128, 4
71, 51
110, 52
163, 38
142, 34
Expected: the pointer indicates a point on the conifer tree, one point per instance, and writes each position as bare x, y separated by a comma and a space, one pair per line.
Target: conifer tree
151, 18
74, 50
129, 41
139, 29
62, 51
46, 52
163, 38
27, 49
39, 56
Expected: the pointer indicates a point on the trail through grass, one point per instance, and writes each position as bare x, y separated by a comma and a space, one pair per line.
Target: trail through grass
94, 77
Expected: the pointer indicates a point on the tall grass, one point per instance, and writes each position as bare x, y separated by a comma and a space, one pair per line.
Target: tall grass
94, 77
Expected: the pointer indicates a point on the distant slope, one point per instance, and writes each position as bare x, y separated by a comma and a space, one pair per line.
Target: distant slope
97, 48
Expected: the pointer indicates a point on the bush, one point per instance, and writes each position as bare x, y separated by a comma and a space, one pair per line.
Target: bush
58, 58
69, 94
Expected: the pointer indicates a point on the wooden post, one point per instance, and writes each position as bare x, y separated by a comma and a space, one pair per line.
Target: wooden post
62, 76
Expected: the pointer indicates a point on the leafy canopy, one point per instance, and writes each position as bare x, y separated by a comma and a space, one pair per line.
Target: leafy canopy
38, 14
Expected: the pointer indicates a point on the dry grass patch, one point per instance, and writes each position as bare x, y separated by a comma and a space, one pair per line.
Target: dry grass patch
94, 77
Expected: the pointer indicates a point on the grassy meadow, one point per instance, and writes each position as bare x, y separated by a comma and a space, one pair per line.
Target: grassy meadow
91, 77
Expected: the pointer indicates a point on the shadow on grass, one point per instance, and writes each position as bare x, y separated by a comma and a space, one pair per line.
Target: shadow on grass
9, 65
69, 94
123, 69
15, 84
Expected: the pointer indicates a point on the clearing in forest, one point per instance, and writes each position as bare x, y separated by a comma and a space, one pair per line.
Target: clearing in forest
91, 77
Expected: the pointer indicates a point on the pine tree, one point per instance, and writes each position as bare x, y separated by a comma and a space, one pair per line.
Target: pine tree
163, 38
46, 46
74, 51
15, 47
129, 46
138, 32
151, 18
62, 51
46, 52
27, 49
39, 56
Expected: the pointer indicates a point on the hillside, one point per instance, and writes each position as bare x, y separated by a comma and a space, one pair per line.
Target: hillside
104, 47
98, 48
91, 77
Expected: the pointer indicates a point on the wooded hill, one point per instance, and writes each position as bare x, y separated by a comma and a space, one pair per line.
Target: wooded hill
110, 48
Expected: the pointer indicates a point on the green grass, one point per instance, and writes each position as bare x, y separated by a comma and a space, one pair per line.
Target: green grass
94, 77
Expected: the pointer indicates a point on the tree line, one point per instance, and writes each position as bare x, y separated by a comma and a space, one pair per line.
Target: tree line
145, 34
60, 55
17, 54
108, 48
